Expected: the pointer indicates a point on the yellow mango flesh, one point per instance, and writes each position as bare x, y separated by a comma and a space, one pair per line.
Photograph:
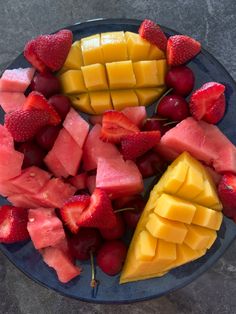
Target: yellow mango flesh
175, 219
124, 98
115, 61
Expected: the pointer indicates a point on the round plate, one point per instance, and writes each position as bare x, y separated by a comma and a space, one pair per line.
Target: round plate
28, 260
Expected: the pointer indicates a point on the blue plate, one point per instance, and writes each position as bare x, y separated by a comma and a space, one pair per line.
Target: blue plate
29, 261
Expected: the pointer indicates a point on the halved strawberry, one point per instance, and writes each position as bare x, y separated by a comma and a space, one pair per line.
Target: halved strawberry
137, 144
36, 100
152, 32
181, 49
227, 194
208, 102
73, 209
49, 52
115, 125
99, 213
13, 224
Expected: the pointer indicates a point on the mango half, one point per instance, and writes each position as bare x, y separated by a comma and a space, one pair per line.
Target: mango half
178, 224
101, 67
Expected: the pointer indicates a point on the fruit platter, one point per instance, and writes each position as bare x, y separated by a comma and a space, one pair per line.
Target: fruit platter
117, 160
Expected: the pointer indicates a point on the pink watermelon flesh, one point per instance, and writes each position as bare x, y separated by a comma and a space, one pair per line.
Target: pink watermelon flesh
11, 101
16, 80
136, 114
44, 227
76, 126
57, 259
7, 189
68, 152
94, 148
23, 200
118, 177
166, 152
91, 183
54, 165
55, 193
79, 181
10, 163
226, 160
31, 180
6, 139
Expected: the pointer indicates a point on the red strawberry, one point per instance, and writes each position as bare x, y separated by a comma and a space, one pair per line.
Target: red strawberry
13, 224
135, 145
36, 100
72, 210
227, 194
208, 102
181, 49
152, 32
115, 125
24, 124
49, 51
99, 213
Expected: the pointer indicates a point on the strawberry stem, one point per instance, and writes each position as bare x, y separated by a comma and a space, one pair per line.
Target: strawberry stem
160, 99
124, 209
93, 282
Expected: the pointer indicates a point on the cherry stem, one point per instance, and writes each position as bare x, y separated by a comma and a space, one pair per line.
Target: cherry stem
124, 209
93, 282
160, 99
157, 119
171, 122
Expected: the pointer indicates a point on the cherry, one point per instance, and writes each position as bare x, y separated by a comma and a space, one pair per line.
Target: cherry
85, 241
150, 164
33, 155
136, 204
181, 79
45, 83
116, 232
174, 107
61, 104
157, 123
111, 257
47, 136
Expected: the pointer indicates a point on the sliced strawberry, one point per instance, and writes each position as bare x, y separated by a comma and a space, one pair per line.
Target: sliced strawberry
115, 125
99, 213
227, 194
13, 224
36, 100
49, 52
24, 124
152, 32
73, 209
137, 144
208, 102
181, 49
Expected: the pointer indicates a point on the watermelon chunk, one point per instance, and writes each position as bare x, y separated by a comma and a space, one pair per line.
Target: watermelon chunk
76, 126
44, 227
91, 183
55, 193
31, 180
95, 148
59, 260
10, 163
7, 189
68, 152
11, 101
54, 165
79, 181
226, 160
136, 114
5, 138
16, 80
118, 177
23, 200
166, 152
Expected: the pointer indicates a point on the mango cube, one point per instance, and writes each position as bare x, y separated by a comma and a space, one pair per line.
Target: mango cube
114, 46
100, 101
165, 229
146, 73
173, 208
147, 96
72, 82
120, 74
138, 48
176, 178
161, 70
199, 238
207, 217
155, 53
185, 255
82, 102
74, 59
145, 246
124, 98
208, 196
92, 50
95, 76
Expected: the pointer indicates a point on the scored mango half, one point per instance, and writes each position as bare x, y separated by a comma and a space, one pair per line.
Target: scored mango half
113, 70
178, 224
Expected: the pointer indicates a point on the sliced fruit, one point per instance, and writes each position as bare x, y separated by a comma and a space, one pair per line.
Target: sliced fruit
46, 84
11, 101
10, 163
79, 181
16, 80
33, 155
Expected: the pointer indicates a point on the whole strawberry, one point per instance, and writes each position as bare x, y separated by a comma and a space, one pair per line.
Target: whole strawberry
49, 52
13, 224
227, 194
24, 124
